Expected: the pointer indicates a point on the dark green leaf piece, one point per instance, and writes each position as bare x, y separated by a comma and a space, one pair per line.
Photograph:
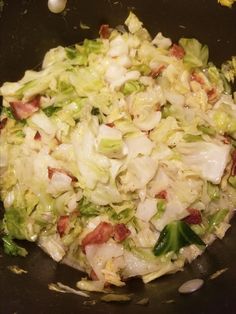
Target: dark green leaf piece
174, 236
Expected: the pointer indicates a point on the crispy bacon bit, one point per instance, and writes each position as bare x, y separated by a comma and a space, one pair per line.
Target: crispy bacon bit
111, 125
107, 285
158, 107
226, 140
51, 171
37, 136
196, 77
157, 71
177, 51
101, 234
121, 232
104, 31
62, 225
93, 275
3, 123
162, 195
233, 169
75, 214
23, 110
212, 95
195, 217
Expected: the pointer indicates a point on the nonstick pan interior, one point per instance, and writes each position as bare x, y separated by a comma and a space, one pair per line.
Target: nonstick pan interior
27, 31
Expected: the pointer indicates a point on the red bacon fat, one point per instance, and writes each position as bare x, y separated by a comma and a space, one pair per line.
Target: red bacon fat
194, 218
23, 110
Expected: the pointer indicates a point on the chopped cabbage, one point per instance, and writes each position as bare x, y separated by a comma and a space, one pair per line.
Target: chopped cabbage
196, 55
126, 138
207, 159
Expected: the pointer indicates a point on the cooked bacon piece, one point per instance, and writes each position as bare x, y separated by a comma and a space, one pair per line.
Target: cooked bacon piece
226, 139
23, 110
195, 217
3, 123
75, 214
111, 125
162, 195
37, 136
93, 275
212, 95
51, 171
233, 169
104, 31
196, 77
156, 72
121, 232
62, 225
177, 51
107, 285
101, 234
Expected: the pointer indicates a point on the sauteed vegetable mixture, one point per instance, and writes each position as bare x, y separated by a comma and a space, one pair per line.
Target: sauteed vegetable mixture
118, 157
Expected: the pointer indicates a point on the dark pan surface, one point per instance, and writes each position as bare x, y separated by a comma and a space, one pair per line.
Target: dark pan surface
27, 31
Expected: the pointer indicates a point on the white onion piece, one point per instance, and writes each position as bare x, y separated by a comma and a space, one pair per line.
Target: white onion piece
56, 6
191, 286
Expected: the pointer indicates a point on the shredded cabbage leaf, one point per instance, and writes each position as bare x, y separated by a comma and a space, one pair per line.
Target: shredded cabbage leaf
118, 156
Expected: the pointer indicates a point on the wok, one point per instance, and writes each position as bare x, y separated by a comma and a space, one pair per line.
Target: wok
27, 31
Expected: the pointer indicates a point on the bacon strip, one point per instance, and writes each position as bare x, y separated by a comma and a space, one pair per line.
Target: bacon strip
101, 234
195, 217
121, 232
157, 71
93, 275
104, 31
177, 51
212, 95
37, 136
62, 225
3, 123
226, 139
23, 110
111, 125
51, 171
162, 195
196, 77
